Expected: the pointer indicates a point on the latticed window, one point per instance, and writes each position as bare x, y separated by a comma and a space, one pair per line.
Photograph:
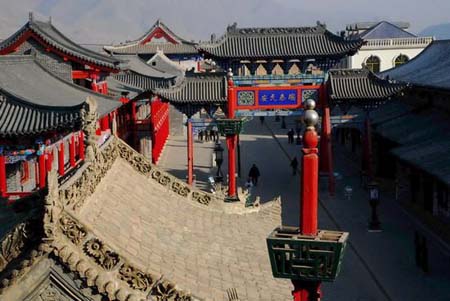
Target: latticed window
400, 60
373, 64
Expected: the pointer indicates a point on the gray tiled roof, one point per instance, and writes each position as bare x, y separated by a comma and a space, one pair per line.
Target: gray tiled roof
34, 100
360, 84
139, 66
137, 47
143, 82
413, 128
279, 42
389, 111
167, 48
197, 88
384, 30
428, 156
431, 68
20, 118
47, 32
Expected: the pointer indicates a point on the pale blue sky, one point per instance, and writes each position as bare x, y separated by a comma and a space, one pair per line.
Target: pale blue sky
107, 21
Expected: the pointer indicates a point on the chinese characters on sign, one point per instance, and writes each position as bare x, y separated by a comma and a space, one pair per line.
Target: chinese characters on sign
277, 97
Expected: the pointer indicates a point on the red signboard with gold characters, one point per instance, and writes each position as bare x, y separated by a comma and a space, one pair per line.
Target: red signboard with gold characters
278, 98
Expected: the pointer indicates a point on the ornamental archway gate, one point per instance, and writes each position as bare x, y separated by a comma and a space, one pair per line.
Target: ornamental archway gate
274, 100
305, 254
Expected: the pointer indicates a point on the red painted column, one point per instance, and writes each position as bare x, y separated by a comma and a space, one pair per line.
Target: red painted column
72, 151
190, 153
231, 141
367, 157
326, 151
309, 290
61, 159
3, 187
49, 160
42, 171
133, 124
81, 145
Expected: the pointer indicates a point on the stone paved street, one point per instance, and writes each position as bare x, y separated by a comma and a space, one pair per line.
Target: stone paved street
377, 266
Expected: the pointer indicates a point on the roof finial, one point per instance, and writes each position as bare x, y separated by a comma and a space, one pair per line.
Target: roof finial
50, 20
30, 16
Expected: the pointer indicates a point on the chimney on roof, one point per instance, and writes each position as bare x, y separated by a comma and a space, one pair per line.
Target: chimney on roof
30, 16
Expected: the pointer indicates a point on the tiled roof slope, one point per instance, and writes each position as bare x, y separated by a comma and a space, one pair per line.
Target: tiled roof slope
385, 30
431, 68
279, 42
33, 100
52, 36
360, 84
141, 46
197, 88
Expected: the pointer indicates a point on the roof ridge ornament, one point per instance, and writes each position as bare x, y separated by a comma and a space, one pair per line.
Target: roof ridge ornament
30, 16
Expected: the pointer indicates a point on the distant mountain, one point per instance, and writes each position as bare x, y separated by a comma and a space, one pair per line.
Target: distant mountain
439, 31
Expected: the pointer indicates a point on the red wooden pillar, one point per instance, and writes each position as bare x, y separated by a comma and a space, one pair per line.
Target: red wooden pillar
72, 151
42, 171
61, 159
231, 142
326, 152
3, 187
133, 124
49, 160
367, 157
190, 153
81, 145
309, 290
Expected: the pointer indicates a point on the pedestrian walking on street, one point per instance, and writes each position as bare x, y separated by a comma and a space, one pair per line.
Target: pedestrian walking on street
254, 174
261, 119
206, 135
200, 136
290, 135
294, 165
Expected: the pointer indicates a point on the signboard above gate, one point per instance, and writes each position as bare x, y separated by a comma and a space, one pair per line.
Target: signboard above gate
274, 98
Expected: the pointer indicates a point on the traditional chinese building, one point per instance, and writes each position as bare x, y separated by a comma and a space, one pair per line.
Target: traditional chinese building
40, 122
409, 132
159, 38
60, 55
311, 49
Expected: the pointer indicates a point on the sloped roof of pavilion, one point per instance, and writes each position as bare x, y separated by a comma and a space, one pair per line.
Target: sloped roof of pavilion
429, 69
385, 30
279, 42
33, 100
121, 223
197, 88
360, 85
143, 45
50, 37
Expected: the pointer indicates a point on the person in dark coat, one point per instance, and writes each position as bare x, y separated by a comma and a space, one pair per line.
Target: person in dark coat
290, 135
254, 174
294, 165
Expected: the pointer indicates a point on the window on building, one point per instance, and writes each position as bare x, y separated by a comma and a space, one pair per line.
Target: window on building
373, 64
400, 60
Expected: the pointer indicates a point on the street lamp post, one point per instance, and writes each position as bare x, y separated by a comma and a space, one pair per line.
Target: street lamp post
374, 200
218, 151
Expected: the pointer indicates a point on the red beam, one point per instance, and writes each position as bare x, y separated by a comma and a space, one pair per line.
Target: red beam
84, 74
